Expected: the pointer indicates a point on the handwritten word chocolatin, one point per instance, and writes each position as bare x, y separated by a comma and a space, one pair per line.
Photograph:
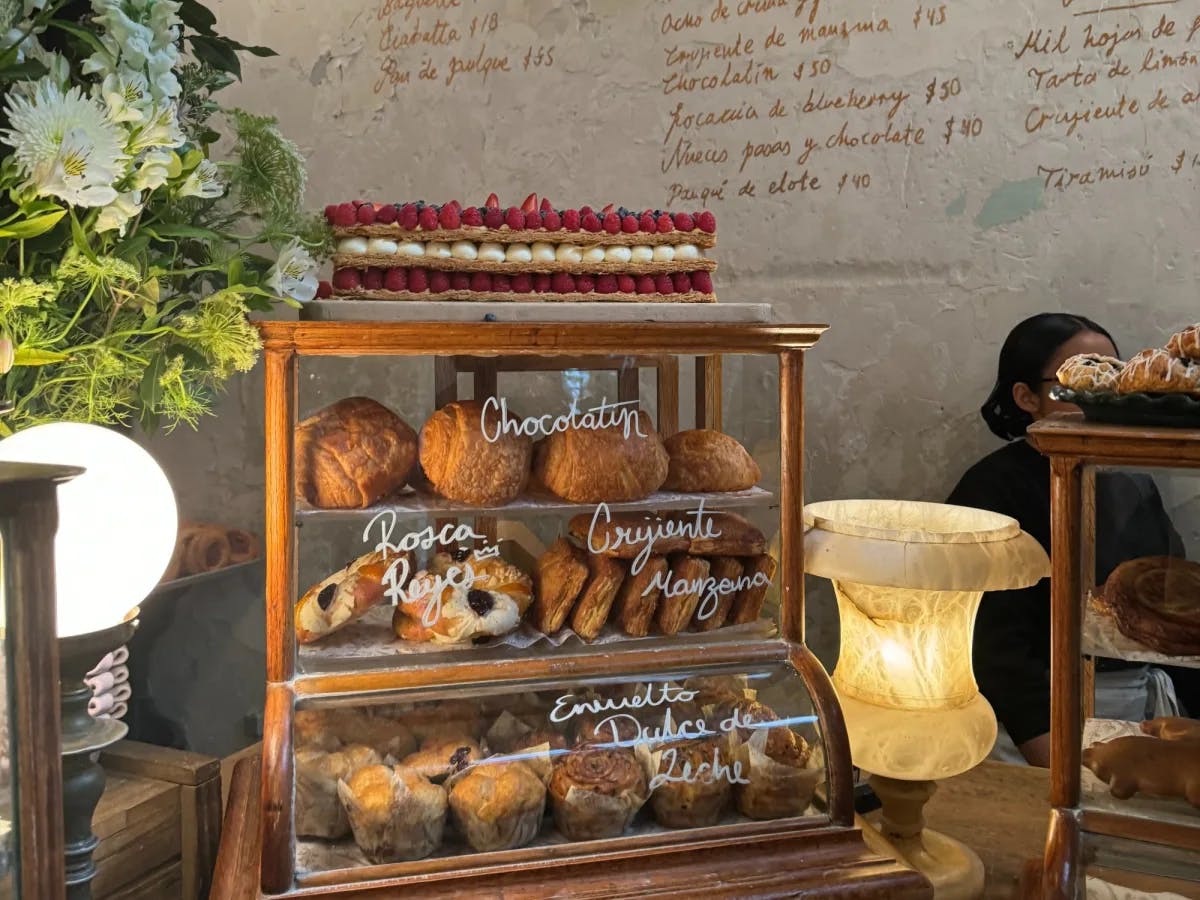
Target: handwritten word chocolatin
622, 415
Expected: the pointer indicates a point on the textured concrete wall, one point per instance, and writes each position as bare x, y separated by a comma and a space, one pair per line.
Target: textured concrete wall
920, 176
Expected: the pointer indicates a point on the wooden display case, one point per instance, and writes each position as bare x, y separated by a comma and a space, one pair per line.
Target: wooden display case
1091, 830
822, 848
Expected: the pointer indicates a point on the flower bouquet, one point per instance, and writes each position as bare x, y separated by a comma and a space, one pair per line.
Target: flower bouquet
129, 259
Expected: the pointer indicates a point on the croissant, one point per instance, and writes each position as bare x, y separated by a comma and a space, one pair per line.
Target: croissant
703, 460
598, 465
467, 458
352, 453
1186, 344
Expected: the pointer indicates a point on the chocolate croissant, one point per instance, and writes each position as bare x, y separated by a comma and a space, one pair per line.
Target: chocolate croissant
598, 465
703, 460
467, 457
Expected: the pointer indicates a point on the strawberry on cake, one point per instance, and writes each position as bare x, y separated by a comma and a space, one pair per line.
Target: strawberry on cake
534, 252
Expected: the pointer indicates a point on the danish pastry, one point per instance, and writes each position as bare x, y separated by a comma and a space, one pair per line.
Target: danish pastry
462, 597
561, 574
1158, 372
1186, 344
1090, 373
592, 607
343, 597
637, 601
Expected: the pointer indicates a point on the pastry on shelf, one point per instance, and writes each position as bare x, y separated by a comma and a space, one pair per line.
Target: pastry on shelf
698, 794
1140, 764
775, 766
713, 611
1173, 728
343, 597
1090, 373
595, 792
534, 252
331, 729
319, 812
561, 574
703, 461
758, 573
1155, 600
727, 534
463, 597
203, 547
442, 719
638, 599
607, 728
1158, 372
1186, 343
498, 805
605, 577
468, 457
441, 756
510, 734
352, 454
602, 465
681, 595
395, 814
627, 535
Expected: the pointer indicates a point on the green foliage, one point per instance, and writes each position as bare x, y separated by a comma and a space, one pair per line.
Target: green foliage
135, 309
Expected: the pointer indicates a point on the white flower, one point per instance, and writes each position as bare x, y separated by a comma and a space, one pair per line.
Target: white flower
126, 94
66, 145
294, 273
32, 6
118, 214
154, 170
141, 36
204, 181
160, 129
16, 37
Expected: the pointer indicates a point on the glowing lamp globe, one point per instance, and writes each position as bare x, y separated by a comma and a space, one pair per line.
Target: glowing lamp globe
909, 578
117, 522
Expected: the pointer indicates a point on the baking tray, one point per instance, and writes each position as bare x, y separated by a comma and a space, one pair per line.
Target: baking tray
1151, 410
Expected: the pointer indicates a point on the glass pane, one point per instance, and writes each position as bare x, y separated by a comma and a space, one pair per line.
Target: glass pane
457, 774
1142, 631
8, 827
562, 510
1153, 869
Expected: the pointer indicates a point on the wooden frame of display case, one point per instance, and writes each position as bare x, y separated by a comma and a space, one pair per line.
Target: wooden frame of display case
841, 865
1074, 444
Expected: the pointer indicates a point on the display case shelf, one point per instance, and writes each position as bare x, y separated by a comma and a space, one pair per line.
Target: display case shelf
412, 503
1102, 638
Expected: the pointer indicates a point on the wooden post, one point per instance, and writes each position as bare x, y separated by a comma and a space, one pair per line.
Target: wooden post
280, 490
1066, 621
708, 392
791, 496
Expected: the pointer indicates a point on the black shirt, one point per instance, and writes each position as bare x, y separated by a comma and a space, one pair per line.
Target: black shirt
1012, 631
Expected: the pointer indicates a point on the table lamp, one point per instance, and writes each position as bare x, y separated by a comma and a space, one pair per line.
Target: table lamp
909, 578
117, 524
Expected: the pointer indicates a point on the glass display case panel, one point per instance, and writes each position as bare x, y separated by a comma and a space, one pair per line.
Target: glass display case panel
1140, 544
412, 782
1136, 869
560, 511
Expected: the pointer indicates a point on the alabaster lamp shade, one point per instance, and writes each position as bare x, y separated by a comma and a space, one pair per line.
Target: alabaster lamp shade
909, 578
116, 523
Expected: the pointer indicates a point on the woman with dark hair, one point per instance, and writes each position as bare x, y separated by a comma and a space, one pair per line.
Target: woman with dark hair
1012, 631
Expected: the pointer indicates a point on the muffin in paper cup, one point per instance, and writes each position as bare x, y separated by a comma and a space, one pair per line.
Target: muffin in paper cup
781, 783
596, 791
395, 814
498, 803
703, 797
318, 811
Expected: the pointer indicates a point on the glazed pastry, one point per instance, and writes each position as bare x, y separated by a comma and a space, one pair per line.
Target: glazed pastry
682, 593
343, 597
394, 813
595, 792
626, 535
1146, 765
1155, 601
498, 805
731, 536
699, 801
352, 453
560, 577
1158, 372
716, 604
463, 462
1186, 344
602, 464
441, 756
703, 460
318, 812
1173, 728
1090, 372
638, 598
592, 607
748, 604
775, 766
462, 598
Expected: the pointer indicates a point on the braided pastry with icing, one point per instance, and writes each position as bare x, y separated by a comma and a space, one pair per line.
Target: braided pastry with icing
1186, 344
1090, 373
1158, 372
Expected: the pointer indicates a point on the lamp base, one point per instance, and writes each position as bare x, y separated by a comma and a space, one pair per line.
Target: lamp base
954, 869
83, 737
